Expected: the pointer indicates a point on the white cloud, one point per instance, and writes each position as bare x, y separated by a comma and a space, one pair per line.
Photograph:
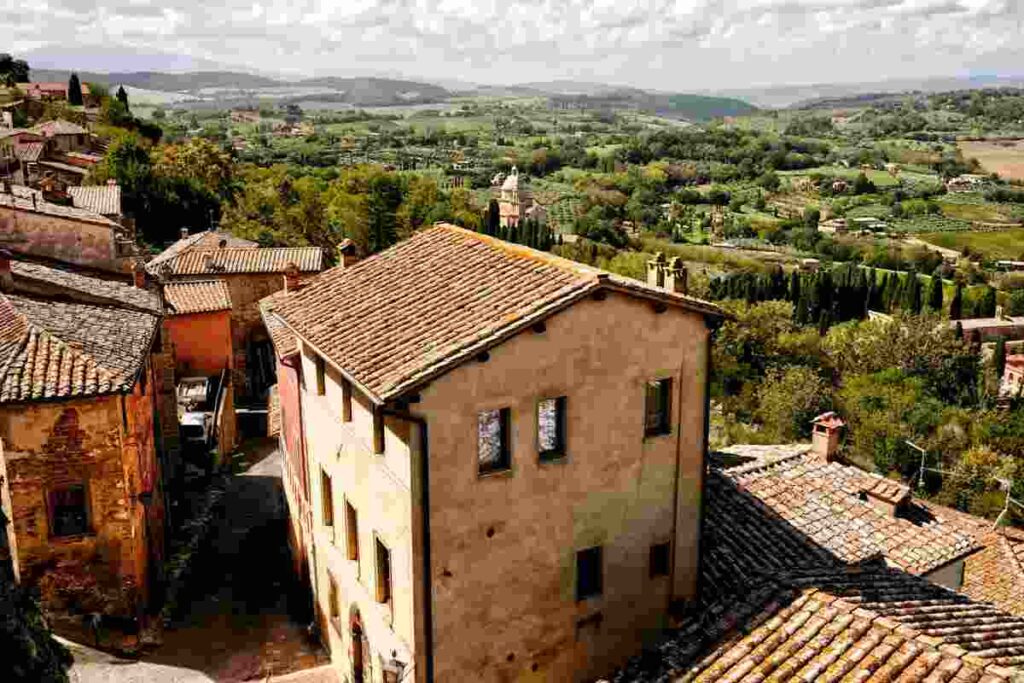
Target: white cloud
665, 44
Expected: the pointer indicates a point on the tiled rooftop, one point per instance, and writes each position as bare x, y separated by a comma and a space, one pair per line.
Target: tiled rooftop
229, 260
59, 127
102, 199
831, 504
34, 279
284, 340
197, 296
397, 319
776, 605
51, 349
209, 239
29, 151
13, 201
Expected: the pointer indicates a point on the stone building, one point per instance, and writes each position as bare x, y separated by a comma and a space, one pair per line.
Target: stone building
250, 273
502, 458
515, 201
78, 388
34, 227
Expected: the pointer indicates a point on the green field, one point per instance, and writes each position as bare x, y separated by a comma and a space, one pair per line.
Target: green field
1002, 244
881, 179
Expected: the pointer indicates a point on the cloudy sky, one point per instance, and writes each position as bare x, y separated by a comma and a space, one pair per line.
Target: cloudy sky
662, 44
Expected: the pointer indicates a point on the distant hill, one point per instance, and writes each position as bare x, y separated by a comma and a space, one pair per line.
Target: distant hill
702, 107
378, 91
166, 82
678, 106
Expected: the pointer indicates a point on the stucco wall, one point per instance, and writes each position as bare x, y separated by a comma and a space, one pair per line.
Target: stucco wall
202, 342
504, 545
77, 242
378, 487
109, 445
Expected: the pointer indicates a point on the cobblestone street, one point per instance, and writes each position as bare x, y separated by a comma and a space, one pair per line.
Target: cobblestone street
246, 615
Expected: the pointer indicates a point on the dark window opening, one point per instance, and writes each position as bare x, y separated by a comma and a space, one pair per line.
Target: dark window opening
383, 572
551, 428
352, 531
335, 599
327, 498
493, 450
346, 400
657, 407
69, 511
659, 562
588, 573
321, 372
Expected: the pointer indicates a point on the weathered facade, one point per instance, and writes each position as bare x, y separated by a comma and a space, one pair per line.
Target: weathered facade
504, 455
78, 421
250, 274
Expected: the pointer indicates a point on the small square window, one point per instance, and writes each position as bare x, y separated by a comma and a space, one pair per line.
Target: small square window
659, 562
588, 573
657, 407
69, 511
551, 428
492, 441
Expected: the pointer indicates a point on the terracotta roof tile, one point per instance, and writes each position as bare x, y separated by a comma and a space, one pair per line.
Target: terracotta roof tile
405, 315
210, 239
197, 296
830, 504
29, 151
33, 278
102, 199
198, 261
52, 349
59, 127
284, 340
25, 203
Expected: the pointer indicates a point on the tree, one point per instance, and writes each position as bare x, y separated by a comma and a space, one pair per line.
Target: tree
999, 358
74, 91
122, 97
12, 70
31, 655
935, 294
493, 218
987, 303
956, 306
385, 196
862, 185
788, 400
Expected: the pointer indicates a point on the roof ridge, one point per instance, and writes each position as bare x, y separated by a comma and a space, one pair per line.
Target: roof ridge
523, 251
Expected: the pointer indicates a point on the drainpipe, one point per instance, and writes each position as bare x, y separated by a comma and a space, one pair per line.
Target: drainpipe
712, 326
428, 598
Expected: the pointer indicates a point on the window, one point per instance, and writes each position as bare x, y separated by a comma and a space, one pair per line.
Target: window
378, 430
659, 563
551, 428
383, 572
657, 407
69, 511
588, 573
352, 531
346, 400
321, 372
492, 441
335, 599
327, 498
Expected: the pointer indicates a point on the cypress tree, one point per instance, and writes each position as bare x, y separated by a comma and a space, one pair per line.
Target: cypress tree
122, 97
794, 287
958, 332
824, 322
74, 91
956, 306
911, 302
493, 218
935, 294
999, 358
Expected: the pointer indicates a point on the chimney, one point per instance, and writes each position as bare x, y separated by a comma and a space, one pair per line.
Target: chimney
656, 271
347, 253
113, 183
292, 283
825, 438
675, 277
184, 233
6, 277
139, 275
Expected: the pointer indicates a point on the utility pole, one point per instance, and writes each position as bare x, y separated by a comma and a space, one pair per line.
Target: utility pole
923, 452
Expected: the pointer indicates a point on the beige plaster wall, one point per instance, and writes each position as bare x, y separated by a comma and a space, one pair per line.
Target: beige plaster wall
379, 487
504, 545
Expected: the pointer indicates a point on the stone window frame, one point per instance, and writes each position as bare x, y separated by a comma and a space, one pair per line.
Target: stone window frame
560, 452
503, 463
660, 390
48, 492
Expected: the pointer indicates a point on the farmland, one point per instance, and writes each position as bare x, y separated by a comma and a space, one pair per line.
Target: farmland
1005, 157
